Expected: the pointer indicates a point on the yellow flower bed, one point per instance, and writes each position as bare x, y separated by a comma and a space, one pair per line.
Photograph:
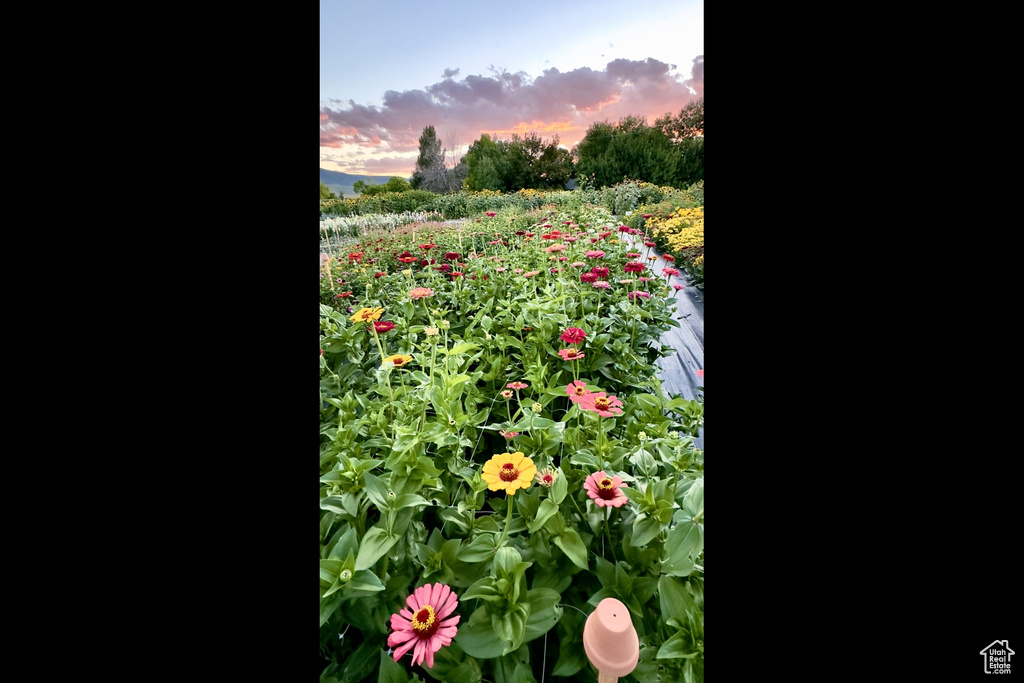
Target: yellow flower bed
681, 228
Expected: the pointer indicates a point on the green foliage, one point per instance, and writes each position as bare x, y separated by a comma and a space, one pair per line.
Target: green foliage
402, 502
325, 192
520, 163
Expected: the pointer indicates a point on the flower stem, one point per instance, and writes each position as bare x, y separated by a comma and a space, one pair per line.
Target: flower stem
608, 535
508, 522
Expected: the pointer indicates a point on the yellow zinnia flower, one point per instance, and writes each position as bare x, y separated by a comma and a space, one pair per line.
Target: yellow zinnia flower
509, 472
365, 315
398, 359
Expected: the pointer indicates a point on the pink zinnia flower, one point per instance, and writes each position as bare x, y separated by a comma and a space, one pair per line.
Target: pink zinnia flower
570, 239
490, 214
669, 271
428, 624
576, 391
577, 264
421, 292
517, 385
669, 257
638, 295
509, 435
570, 354
605, 490
633, 254
531, 273
588, 277
700, 373
601, 284
500, 269
595, 253
573, 335
677, 287
605, 406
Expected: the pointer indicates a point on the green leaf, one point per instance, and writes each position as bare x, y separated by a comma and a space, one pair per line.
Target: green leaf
479, 549
572, 545
546, 510
675, 601
390, 670
645, 530
675, 647
461, 348
544, 612
478, 639
365, 580
559, 488
376, 491
373, 546
467, 672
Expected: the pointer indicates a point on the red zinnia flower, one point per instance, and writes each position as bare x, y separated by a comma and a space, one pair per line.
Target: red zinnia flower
383, 326
669, 257
634, 267
490, 214
451, 256
588, 277
605, 491
650, 244
573, 335
600, 271
428, 624
379, 274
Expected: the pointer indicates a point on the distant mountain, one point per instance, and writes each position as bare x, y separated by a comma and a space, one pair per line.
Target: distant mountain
341, 183
335, 178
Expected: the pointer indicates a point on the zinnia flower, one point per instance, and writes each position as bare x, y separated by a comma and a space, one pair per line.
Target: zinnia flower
517, 385
430, 331
379, 274
605, 406
384, 326
677, 287
508, 472
669, 271
594, 253
571, 354
600, 271
669, 257
576, 391
573, 335
451, 256
700, 373
506, 394
398, 359
588, 277
428, 624
634, 267
343, 295
366, 315
638, 295
531, 273
605, 490
601, 284
421, 292
650, 244
509, 435
409, 259
546, 477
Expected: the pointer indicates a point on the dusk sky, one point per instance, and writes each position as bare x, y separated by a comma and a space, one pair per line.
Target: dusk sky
387, 70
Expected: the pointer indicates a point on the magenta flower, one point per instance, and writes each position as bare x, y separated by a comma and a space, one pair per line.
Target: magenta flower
677, 287
426, 625
638, 295
605, 490
595, 253
573, 335
517, 385
700, 373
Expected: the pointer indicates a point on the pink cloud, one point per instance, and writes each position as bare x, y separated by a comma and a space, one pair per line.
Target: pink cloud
562, 103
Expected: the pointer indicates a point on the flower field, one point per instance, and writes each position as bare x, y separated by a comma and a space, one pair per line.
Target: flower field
497, 454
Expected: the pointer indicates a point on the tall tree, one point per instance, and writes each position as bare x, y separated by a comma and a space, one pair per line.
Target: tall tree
429, 173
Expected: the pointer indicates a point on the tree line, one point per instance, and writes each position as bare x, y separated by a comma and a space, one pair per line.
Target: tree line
668, 152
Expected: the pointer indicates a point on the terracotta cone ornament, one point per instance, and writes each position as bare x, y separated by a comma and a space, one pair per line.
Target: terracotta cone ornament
610, 641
